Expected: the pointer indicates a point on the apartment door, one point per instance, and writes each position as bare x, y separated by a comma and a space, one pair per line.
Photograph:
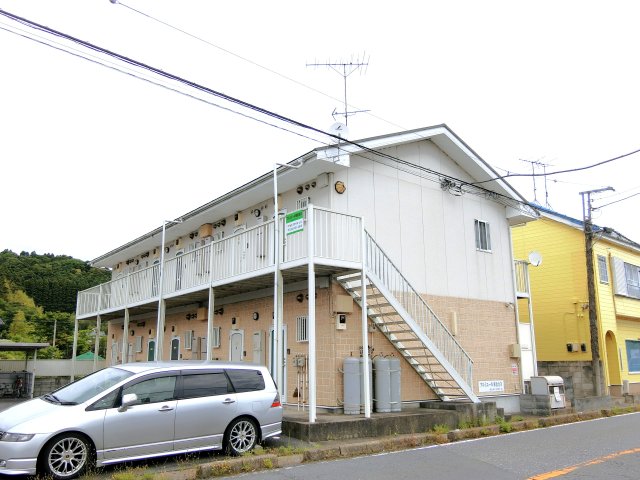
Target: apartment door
175, 348
240, 249
236, 343
151, 352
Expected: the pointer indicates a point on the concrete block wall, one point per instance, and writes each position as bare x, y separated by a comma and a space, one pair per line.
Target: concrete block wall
577, 376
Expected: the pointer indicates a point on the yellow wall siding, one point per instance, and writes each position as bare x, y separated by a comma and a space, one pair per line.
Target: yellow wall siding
560, 298
558, 287
627, 330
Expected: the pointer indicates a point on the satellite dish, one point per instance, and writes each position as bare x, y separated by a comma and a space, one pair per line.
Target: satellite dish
339, 129
535, 259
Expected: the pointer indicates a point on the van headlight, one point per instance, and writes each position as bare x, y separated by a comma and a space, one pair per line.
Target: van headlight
16, 437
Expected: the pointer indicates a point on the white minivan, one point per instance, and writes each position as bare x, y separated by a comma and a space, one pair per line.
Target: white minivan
140, 410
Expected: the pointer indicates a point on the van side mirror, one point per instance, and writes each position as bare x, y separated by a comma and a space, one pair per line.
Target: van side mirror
128, 400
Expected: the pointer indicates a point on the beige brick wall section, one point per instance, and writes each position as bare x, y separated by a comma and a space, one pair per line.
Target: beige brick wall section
485, 330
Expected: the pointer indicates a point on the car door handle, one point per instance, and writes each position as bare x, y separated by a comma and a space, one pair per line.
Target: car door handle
228, 401
165, 408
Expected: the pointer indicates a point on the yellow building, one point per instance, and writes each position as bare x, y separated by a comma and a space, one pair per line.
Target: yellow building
561, 307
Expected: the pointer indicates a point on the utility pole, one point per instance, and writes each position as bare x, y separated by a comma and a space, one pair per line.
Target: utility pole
596, 364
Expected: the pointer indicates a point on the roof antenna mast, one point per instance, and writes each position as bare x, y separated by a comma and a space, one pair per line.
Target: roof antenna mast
345, 69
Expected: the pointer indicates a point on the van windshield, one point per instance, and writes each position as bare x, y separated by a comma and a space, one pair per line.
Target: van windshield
89, 386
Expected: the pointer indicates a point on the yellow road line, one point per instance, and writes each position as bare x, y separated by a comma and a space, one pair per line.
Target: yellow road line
564, 471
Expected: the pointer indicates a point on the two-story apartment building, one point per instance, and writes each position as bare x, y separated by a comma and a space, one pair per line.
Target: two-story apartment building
561, 304
394, 223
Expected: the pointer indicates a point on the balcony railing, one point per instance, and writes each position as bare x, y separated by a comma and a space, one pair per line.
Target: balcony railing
337, 237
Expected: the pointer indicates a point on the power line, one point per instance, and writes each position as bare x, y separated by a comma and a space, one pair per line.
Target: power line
617, 201
137, 75
570, 170
207, 90
252, 62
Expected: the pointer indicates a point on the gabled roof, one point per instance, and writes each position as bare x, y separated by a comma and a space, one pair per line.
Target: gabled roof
605, 232
262, 187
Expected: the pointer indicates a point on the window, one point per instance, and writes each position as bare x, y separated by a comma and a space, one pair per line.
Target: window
139, 344
603, 273
188, 339
633, 355
483, 236
627, 278
632, 273
205, 384
158, 389
246, 380
215, 338
302, 329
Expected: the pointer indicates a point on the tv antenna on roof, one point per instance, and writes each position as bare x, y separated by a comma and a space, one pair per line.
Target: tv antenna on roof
345, 69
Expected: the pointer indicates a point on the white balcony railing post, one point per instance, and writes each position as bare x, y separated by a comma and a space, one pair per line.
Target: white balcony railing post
311, 315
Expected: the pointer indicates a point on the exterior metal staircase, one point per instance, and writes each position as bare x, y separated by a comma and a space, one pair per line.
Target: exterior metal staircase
404, 317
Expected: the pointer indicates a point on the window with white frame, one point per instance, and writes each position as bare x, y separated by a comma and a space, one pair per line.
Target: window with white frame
138, 344
188, 339
633, 355
603, 273
627, 278
302, 329
483, 236
215, 337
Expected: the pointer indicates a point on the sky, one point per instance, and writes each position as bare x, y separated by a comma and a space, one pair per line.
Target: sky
92, 157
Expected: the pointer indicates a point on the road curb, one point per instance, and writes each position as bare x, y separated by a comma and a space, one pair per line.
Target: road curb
349, 448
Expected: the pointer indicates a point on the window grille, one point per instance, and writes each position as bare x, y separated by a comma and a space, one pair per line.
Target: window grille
302, 329
188, 339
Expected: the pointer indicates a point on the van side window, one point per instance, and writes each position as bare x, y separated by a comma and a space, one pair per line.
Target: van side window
158, 389
205, 384
108, 401
246, 380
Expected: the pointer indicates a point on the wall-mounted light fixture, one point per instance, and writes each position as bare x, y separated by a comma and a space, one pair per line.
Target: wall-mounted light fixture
300, 297
233, 320
340, 187
256, 315
299, 189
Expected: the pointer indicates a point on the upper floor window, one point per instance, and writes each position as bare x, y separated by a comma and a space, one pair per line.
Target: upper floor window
627, 278
603, 273
483, 236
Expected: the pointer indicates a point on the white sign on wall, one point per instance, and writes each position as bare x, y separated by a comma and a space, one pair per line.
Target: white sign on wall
485, 386
294, 222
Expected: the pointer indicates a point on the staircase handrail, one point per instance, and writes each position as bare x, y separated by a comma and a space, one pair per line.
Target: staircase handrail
435, 330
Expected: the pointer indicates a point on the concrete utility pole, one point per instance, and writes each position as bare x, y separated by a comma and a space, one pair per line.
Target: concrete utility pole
596, 365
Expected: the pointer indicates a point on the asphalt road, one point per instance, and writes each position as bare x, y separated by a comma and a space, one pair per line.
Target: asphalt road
604, 448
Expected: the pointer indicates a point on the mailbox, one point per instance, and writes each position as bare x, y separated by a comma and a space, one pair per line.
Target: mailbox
550, 385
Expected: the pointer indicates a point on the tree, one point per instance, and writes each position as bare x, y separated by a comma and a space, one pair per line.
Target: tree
20, 330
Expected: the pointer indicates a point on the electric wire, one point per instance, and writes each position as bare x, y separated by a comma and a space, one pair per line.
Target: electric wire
618, 201
569, 170
254, 63
136, 75
164, 74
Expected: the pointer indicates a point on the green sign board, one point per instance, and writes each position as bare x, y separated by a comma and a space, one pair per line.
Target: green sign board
294, 222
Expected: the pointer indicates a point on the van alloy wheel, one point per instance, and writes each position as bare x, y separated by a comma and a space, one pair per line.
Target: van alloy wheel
67, 457
242, 436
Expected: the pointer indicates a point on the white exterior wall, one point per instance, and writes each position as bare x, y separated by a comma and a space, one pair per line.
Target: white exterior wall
427, 232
